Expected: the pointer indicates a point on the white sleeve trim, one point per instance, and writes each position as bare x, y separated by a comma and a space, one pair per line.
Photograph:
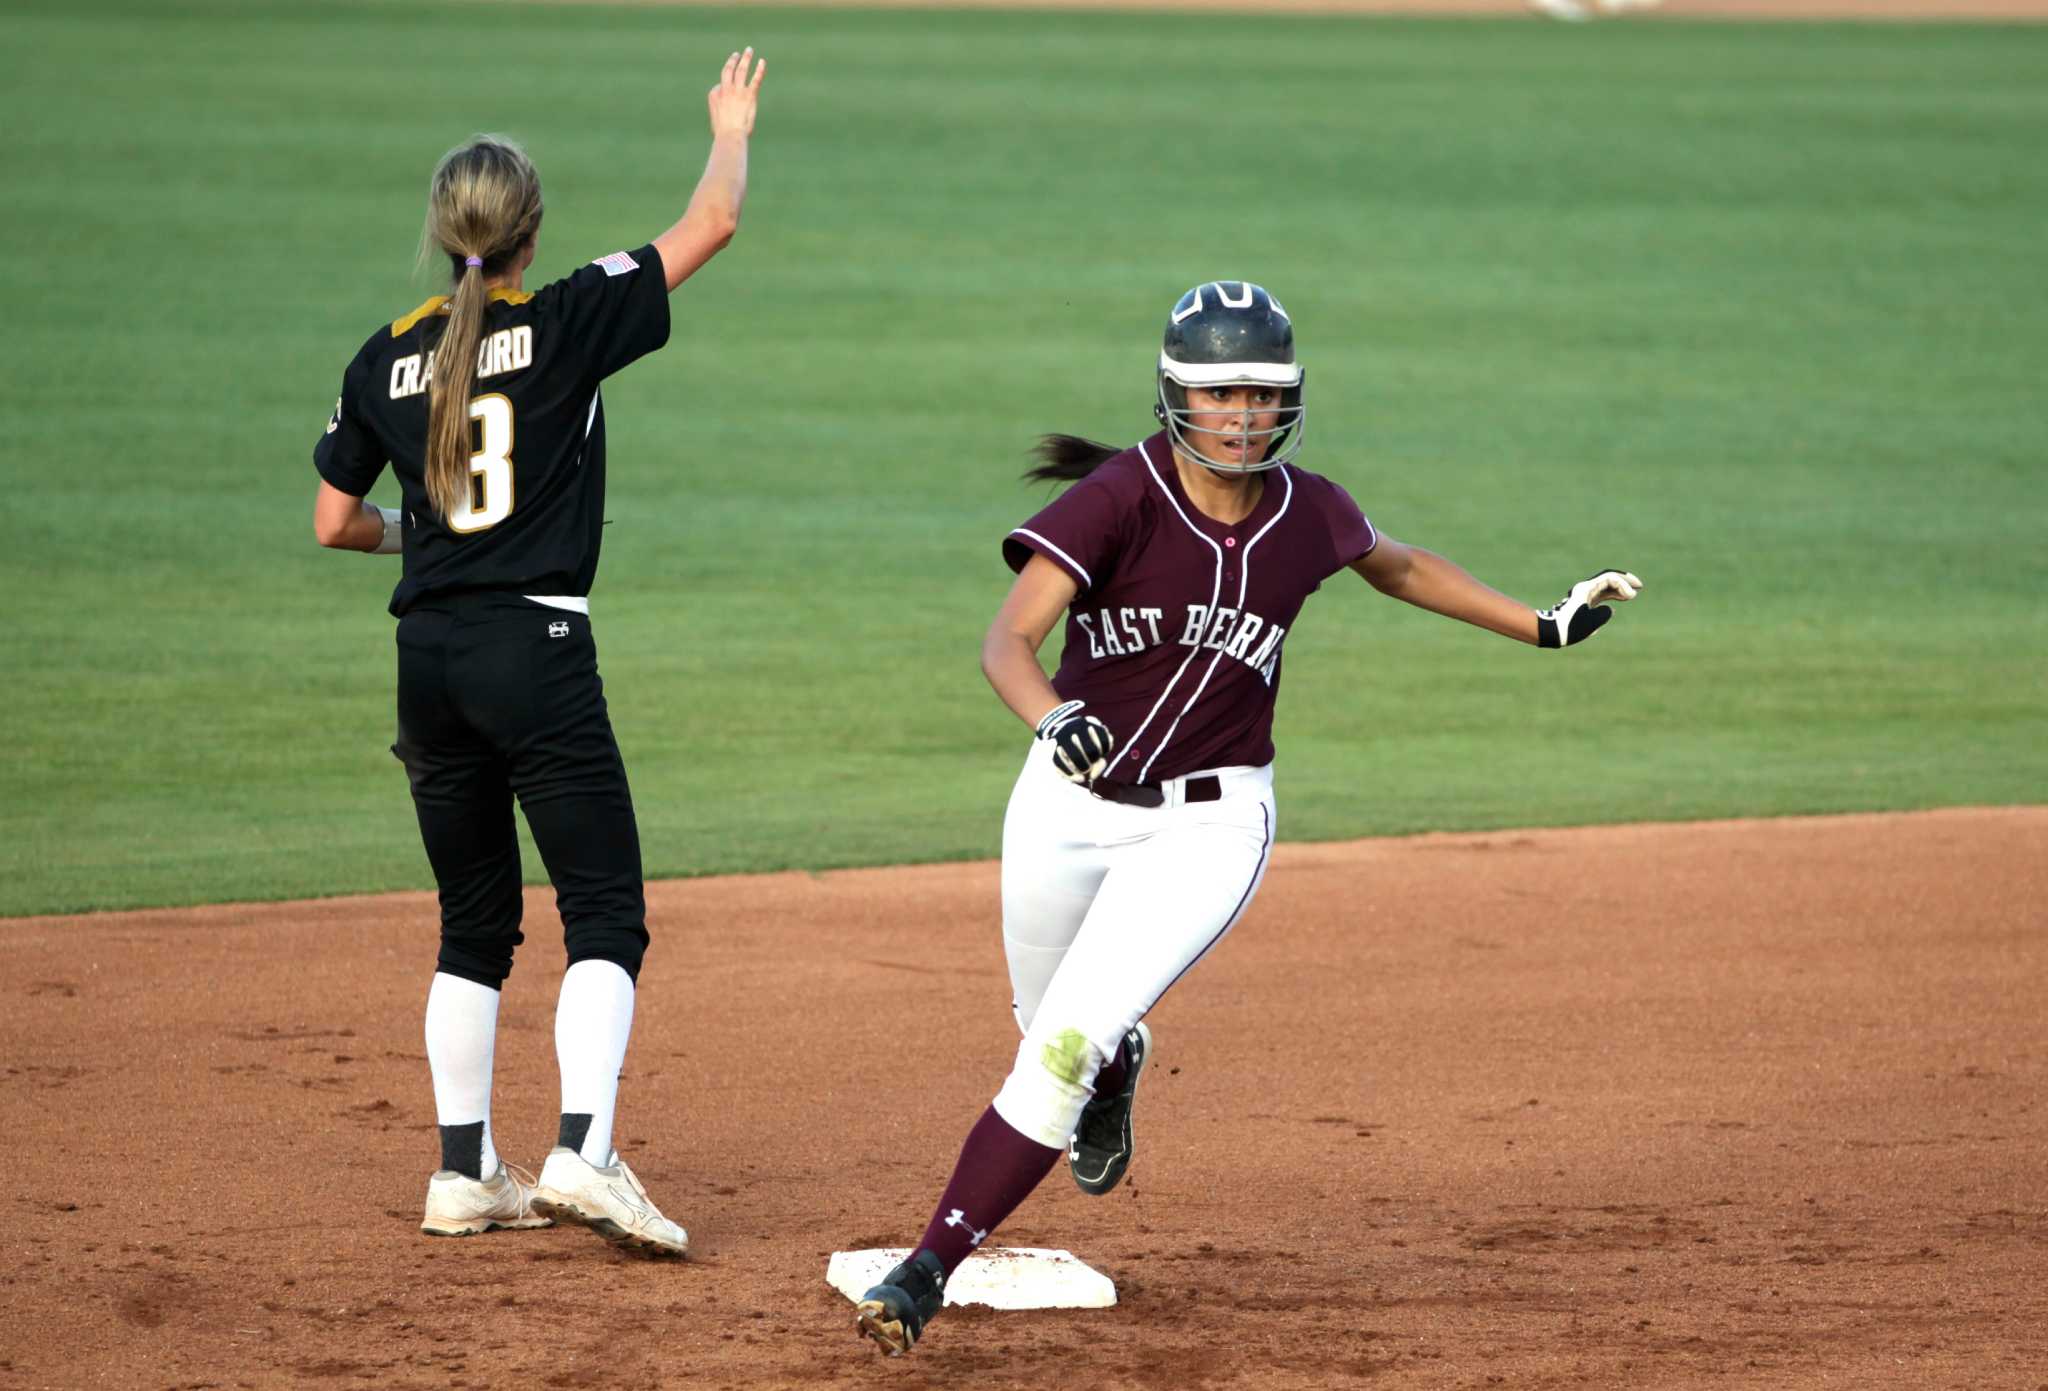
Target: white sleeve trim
1062, 556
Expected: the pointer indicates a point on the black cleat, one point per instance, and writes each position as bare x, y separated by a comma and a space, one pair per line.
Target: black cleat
895, 1312
1100, 1149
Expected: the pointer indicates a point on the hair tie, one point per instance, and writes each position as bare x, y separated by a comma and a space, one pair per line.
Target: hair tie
472, 260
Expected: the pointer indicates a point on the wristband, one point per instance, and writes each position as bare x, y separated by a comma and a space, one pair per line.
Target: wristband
394, 529
1056, 717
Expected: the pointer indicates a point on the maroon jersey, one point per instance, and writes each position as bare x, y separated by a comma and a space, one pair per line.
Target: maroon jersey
1174, 640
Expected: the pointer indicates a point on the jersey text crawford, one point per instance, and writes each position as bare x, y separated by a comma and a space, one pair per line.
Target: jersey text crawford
507, 350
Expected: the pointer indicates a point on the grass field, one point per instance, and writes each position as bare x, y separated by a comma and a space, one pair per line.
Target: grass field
1751, 310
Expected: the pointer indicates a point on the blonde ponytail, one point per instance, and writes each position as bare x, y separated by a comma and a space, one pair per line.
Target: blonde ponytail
483, 207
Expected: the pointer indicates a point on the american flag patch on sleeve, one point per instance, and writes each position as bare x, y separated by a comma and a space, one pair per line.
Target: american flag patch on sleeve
618, 263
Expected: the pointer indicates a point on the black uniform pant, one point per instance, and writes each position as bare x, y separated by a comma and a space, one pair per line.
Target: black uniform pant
499, 697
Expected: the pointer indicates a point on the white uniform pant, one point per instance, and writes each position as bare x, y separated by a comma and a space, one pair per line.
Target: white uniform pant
1105, 906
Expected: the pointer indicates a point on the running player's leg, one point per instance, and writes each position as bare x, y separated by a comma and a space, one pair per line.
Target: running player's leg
1052, 867
1167, 898
1165, 902
1053, 864
464, 807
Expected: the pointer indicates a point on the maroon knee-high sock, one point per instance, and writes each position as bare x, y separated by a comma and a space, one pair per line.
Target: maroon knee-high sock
996, 1171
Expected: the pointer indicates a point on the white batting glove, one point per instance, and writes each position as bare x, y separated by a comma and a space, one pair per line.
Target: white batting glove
1580, 613
1081, 743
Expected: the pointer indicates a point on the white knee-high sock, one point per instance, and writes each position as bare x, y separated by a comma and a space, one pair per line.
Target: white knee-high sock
462, 1039
593, 1021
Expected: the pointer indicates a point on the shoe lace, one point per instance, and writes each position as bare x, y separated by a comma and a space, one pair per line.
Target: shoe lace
632, 1179
520, 1176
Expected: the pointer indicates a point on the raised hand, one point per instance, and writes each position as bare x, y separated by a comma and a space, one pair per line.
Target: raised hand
733, 100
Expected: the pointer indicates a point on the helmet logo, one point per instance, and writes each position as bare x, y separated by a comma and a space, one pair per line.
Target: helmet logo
1194, 307
1276, 307
1244, 301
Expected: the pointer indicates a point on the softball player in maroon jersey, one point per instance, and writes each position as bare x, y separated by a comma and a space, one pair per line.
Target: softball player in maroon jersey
1143, 820
486, 406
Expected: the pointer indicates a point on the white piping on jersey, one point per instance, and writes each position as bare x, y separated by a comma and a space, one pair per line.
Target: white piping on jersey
590, 420
571, 602
1078, 568
1244, 577
1215, 593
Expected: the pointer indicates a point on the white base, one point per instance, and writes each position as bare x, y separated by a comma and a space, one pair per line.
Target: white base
1004, 1277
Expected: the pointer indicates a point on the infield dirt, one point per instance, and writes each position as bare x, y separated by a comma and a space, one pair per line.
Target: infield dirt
1753, 1104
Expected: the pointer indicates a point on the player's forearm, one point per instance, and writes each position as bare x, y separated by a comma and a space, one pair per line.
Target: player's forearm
345, 523
713, 214
715, 206
1012, 668
1434, 583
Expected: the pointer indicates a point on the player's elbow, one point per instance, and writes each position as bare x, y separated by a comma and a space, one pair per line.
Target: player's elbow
331, 531
999, 649
712, 224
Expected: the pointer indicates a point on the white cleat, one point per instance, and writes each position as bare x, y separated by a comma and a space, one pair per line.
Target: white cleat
458, 1205
1571, 11
609, 1200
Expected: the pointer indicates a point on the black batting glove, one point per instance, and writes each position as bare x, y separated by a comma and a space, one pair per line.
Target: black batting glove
1580, 613
1081, 743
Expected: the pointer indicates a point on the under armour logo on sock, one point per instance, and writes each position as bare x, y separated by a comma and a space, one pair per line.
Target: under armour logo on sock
959, 1219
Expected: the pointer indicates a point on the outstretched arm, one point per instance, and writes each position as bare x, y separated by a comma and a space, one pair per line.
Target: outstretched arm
714, 212
1427, 580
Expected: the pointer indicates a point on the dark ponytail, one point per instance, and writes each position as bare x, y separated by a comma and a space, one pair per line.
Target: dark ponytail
1064, 458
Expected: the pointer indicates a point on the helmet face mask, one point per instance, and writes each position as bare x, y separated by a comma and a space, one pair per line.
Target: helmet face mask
1231, 333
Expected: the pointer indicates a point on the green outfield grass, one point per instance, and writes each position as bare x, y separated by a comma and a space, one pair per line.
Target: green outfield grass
1755, 311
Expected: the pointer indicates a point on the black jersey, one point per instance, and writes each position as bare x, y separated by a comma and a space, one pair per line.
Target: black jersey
536, 502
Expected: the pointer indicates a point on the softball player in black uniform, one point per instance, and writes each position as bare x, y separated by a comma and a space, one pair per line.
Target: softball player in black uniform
486, 405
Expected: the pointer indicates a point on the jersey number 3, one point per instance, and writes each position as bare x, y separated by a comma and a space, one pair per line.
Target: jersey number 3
490, 468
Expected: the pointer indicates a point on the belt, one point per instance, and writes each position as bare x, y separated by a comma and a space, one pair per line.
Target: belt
1141, 794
